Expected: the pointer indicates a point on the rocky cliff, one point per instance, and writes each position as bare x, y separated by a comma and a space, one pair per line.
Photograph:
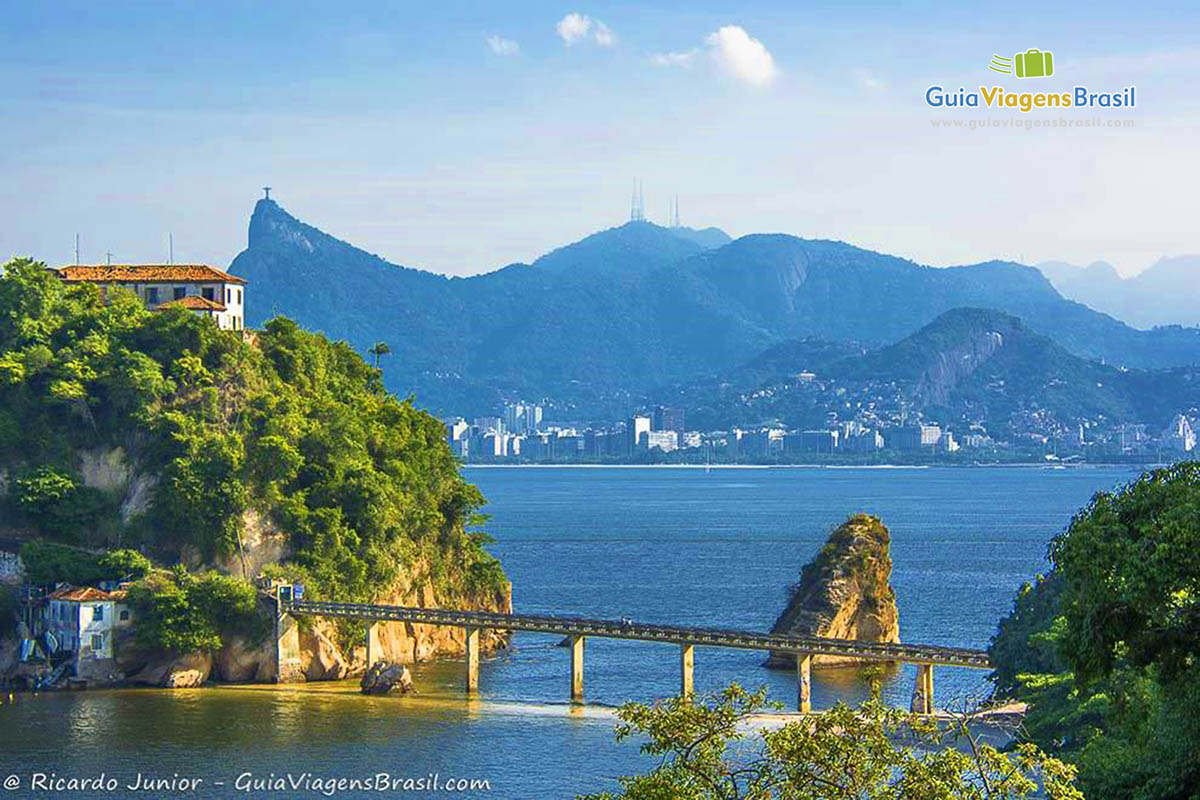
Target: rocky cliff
844, 592
322, 653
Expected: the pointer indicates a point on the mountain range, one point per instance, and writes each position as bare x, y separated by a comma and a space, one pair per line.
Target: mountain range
967, 365
597, 324
1168, 292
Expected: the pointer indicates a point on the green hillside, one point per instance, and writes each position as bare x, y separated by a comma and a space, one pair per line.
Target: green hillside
290, 424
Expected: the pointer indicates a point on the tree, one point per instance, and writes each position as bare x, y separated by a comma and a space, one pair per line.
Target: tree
378, 350
1106, 649
714, 751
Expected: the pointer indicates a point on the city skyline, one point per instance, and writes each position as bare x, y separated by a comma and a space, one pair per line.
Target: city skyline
463, 139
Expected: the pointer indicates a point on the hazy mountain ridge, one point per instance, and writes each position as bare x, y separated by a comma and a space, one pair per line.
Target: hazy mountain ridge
968, 365
595, 324
1166, 293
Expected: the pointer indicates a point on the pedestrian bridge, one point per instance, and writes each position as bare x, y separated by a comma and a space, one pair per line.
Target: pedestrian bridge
577, 629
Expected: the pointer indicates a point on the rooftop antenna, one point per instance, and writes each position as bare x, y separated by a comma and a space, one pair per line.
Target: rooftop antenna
77, 249
108, 258
635, 203
170, 248
675, 215
267, 192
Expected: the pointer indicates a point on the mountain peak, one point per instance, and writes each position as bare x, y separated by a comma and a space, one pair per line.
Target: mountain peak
635, 247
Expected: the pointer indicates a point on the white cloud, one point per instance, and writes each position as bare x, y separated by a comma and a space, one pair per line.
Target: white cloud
576, 27
870, 81
503, 47
604, 35
741, 56
681, 59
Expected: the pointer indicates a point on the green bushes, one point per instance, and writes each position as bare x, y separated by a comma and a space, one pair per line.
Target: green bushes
181, 612
47, 562
56, 503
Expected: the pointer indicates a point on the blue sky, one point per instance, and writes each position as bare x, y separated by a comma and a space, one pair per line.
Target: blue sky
460, 137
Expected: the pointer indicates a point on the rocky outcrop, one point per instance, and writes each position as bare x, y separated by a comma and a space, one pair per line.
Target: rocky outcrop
384, 677
168, 671
243, 661
844, 592
410, 643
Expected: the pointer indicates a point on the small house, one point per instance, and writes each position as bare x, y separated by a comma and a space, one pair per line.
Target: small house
85, 622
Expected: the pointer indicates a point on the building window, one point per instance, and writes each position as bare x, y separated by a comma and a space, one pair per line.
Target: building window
180, 292
99, 613
97, 641
207, 293
152, 295
239, 296
124, 615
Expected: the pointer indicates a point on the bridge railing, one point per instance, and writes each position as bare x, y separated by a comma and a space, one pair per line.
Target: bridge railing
577, 629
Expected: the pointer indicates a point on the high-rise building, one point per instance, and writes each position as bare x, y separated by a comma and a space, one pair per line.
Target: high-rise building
914, 437
636, 430
522, 417
667, 418
1179, 435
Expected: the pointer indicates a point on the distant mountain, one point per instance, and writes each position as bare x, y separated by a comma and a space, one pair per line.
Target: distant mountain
635, 247
967, 365
1167, 293
596, 324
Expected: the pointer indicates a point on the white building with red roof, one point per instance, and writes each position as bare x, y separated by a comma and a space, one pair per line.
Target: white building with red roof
85, 620
201, 289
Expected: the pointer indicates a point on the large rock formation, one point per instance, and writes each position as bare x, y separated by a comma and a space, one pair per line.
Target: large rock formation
843, 593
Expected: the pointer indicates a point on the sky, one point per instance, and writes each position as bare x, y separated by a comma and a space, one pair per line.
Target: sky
460, 137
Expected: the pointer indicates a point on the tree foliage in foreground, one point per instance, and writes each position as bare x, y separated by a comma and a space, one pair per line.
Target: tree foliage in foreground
1106, 648
714, 750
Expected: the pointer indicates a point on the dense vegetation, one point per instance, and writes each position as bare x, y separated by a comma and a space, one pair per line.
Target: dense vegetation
182, 612
291, 425
714, 751
47, 562
1106, 648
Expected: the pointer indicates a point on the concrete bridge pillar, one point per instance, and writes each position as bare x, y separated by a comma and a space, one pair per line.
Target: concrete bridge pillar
576, 643
472, 639
287, 649
374, 647
804, 682
922, 700
687, 662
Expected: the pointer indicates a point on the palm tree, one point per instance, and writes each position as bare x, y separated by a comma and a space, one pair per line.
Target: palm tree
379, 349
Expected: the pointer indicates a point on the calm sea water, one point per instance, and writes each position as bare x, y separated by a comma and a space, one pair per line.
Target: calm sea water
680, 546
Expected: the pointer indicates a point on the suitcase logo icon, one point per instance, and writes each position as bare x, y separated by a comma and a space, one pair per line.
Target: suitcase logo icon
1033, 63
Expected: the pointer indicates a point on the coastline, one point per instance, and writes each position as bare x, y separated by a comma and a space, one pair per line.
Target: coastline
707, 467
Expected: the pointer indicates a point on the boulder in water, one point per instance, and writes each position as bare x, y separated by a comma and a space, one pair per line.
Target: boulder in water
384, 677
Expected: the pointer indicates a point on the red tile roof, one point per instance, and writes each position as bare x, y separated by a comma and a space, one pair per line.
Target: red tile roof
146, 273
85, 594
194, 303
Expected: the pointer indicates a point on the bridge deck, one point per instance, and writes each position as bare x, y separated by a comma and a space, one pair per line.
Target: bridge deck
615, 629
